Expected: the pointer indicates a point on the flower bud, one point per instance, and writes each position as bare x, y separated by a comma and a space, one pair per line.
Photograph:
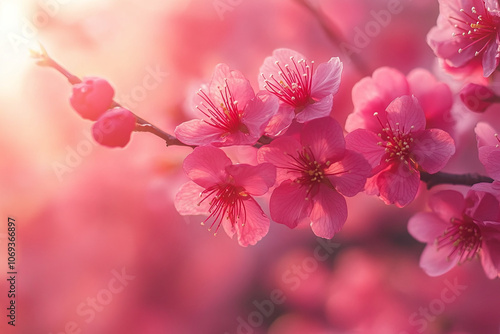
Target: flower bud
477, 97
92, 97
114, 127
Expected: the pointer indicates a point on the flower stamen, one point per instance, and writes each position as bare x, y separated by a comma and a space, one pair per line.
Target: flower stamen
465, 238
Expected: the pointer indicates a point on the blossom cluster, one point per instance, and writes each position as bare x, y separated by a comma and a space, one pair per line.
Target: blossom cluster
305, 171
303, 162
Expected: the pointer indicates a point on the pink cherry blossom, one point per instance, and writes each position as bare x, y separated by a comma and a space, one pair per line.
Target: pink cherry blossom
488, 147
459, 229
305, 94
375, 93
400, 149
234, 115
467, 29
224, 191
314, 173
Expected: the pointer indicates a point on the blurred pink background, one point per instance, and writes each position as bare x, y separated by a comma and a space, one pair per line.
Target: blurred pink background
101, 248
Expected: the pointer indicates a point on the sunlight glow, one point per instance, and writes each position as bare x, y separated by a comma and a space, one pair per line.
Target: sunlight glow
10, 13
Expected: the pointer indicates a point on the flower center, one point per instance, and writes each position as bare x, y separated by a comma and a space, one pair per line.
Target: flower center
312, 172
477, 25
397, 143
464, 236
294, 83
227, 203
225, 116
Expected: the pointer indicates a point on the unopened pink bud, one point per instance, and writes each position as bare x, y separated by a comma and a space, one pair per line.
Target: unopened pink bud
477, 97
92, 97
114, 127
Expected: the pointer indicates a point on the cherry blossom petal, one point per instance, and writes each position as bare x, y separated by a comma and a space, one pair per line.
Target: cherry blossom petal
406, 111
489, 153
371, 186
490, 269
490, 59
359, 120
229, 228
384, 86
207, 166
445, 47
326, 79
490, 255
281, 153
492, 4
238, 138
197, 132
426, 226
256, 180
269, 67
485, 135
288, 204
281, 120
447, 204
482, 205
490, 158
256, 224
365, 142
235, 81
432, 149
349, 175
398, 185
258, 113
435, 98
325, 138
435, 262
329, 213
318, 109
241, 154
374, 94
492, 188
188, 200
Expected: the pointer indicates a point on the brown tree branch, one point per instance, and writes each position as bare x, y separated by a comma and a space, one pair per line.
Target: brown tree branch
456, 179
